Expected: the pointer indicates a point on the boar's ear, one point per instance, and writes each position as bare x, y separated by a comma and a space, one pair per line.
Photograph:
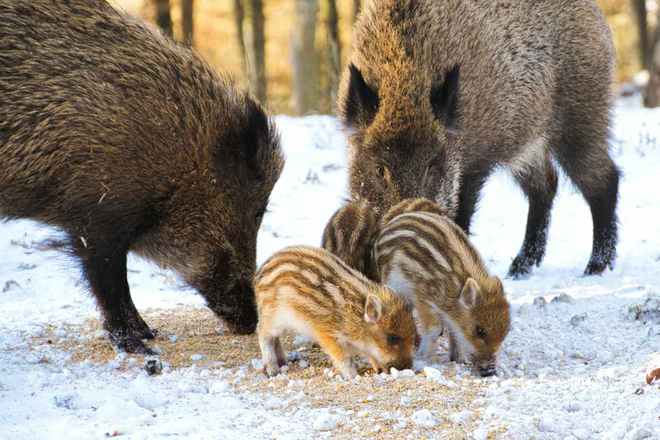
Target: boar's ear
361, 102
373, 309
261, 151
470, 294
444, 98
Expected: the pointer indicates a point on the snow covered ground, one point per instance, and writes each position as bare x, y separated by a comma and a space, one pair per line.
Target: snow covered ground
571, 368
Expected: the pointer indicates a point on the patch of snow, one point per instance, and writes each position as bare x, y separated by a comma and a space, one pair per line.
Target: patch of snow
583, 360
424, 418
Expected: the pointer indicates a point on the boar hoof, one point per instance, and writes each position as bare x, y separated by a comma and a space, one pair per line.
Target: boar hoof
147, 333
520, 268
596, 267
142, 331
130, 344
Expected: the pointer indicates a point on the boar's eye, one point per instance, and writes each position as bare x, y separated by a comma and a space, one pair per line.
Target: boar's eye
383, 172
393, 339
481, 333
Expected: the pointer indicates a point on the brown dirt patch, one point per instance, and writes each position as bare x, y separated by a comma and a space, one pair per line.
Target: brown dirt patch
374, 406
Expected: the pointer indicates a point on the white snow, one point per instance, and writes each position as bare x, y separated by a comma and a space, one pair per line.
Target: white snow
424, 417
570, 368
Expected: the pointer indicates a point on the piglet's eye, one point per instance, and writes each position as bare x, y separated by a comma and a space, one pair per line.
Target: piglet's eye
393, 339
481, 333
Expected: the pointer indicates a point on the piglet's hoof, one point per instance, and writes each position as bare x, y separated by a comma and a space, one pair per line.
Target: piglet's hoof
271, 369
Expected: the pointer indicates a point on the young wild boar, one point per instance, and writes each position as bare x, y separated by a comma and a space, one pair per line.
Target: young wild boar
314, 293
349, 235
428, 259
127, 141
440, 93
352, 229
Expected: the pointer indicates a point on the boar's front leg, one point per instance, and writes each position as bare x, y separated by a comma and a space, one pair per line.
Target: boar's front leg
539, 183
468, 197
104, 266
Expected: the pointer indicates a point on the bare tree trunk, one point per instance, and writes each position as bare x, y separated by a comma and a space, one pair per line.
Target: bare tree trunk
356, 9
639, 7
163, 17
305, 60
252, 29
239, 16
333, 52
652, 92
187, 22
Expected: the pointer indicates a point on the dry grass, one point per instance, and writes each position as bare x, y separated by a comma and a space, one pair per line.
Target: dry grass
370, 401
215, 39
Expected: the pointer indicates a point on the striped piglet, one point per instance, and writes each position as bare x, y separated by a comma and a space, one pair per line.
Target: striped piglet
425, 257
312, 292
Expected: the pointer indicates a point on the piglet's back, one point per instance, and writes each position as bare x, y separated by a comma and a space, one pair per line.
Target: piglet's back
314, 273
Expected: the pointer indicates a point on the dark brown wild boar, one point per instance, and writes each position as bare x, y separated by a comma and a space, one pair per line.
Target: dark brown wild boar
129, 142
440, 93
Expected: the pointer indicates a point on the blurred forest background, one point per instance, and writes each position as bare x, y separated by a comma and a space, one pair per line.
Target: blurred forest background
290, 53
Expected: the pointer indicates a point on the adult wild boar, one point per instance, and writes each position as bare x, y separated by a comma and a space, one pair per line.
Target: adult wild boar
129, 142
440, 93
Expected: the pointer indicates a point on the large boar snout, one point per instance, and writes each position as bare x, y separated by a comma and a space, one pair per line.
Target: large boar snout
237, 308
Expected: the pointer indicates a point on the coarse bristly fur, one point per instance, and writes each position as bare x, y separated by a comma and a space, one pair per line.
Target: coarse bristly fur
129, 142
428, 259
312, 292
439, 93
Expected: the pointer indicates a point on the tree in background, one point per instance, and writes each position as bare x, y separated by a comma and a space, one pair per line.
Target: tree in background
304, 58
187, 22
249, 17
639, 9
356, 9
163, 16
333, 51
652, 92
239, 16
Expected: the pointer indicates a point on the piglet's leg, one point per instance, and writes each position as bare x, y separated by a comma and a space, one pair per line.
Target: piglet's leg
269, 351
429, 328
341, 359
374, 365
453, 349
279, 352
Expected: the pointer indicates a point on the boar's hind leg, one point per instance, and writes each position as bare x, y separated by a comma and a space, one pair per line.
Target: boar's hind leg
539, 183
584, 156
105, 270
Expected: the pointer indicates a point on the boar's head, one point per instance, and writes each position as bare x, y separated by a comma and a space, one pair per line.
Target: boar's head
402, 134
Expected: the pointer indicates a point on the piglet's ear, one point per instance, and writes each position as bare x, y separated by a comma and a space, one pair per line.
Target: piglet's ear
470, 294
496, 284
361, 102
373, 309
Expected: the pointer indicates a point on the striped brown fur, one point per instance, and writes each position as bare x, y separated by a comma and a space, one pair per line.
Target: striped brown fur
312, 292
428, 259
412, 205
349, 235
